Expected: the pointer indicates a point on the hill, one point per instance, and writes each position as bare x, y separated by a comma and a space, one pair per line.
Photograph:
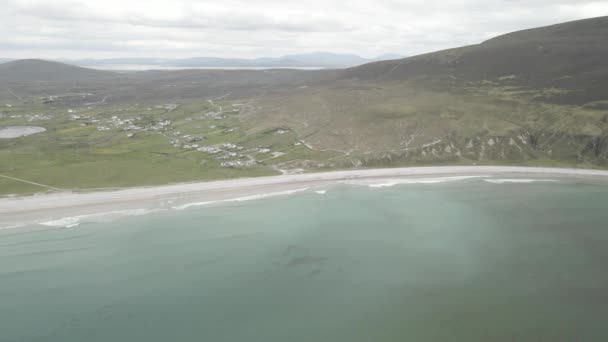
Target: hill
571, 55
306, 60
28, 70
535, 97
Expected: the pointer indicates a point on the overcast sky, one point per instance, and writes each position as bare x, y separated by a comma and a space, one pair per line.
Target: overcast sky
254, 28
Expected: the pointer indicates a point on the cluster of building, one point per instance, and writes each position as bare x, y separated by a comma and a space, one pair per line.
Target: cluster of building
160, 126
38, 117
169, 107
214, 115
260, 150
228, 153
185, 141
238, 163
107, 124
54, 98
28, 117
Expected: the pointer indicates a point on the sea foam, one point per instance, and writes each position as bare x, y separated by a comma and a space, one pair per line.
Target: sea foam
74, 221
240, 199
12, 226
383, 183
516, 180
66, 222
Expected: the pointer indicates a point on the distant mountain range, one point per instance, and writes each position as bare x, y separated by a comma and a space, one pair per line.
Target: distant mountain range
571, 56
310, 60
317, 59
31, 70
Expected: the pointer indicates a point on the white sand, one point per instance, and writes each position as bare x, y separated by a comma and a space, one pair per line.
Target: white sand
52, 207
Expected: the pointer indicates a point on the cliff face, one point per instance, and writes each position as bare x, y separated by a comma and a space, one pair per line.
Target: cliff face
520, 147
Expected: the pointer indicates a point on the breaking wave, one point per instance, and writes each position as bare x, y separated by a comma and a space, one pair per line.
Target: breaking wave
73, 221
240, 199
518, 180
383, 183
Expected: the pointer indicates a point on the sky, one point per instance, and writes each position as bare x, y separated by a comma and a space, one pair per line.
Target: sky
256, 28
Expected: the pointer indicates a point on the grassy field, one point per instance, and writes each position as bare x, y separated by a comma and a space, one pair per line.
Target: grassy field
120, 146
535, 97
127, 143
448, 108
416, 122
364, 124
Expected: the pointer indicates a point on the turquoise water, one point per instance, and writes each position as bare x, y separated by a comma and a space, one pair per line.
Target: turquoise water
436, 262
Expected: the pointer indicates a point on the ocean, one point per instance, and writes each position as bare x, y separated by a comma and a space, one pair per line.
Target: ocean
472, 260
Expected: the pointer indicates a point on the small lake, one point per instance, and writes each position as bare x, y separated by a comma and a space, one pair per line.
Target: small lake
12, 132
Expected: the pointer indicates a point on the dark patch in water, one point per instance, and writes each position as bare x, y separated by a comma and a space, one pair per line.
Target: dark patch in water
314, 272
202, 264
306, 260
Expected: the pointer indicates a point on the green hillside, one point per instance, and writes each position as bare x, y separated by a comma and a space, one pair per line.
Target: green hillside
534, 97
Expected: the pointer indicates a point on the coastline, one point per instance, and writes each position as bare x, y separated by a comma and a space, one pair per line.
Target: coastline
51, 208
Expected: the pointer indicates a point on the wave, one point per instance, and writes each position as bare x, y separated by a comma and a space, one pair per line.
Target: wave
518, 180
392, 182
66, 222
13, 226
74, 221
240, 199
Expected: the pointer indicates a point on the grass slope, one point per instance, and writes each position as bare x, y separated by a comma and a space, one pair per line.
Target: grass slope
30, 70
535, 97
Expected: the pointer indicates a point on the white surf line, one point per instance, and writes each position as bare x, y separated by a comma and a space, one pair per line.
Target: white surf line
34, 183
390, 182
45, 204
518, 180
240, 199
74, 221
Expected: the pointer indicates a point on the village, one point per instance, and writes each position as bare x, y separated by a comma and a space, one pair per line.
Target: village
205, 138
227, 154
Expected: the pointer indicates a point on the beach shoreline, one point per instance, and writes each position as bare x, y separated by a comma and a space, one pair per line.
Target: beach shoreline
19, 211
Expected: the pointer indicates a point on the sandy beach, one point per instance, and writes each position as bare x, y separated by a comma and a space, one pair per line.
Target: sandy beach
62, 209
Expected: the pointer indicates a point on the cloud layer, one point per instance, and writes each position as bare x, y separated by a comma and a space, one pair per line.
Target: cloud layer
254, 28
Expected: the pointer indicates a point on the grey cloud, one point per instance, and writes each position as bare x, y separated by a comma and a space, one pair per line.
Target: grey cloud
238, 28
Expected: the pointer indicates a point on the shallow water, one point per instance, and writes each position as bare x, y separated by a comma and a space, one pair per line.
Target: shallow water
472, 261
